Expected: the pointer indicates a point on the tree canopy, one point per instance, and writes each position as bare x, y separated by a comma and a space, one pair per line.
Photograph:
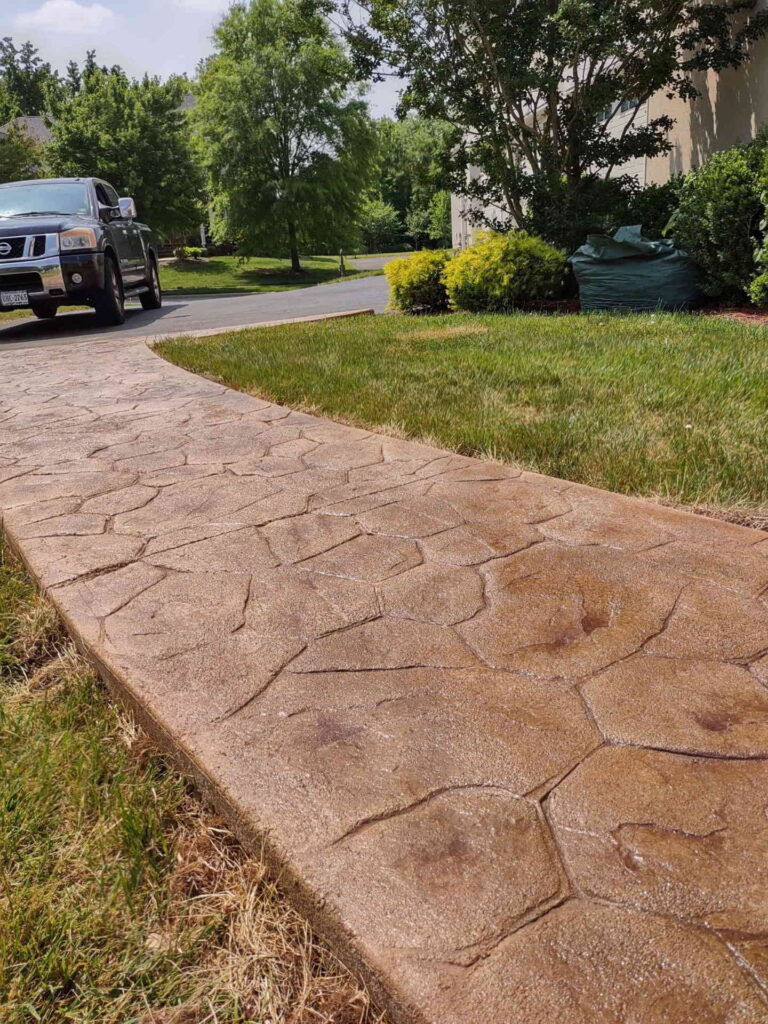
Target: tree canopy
20, 156
133, 134
284, 133
412, 171
27, 82
536, 85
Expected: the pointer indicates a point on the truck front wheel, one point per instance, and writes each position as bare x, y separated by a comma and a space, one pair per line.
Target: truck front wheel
110, 303
153, 299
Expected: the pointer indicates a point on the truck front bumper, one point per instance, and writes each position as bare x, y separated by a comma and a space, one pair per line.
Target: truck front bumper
54, 278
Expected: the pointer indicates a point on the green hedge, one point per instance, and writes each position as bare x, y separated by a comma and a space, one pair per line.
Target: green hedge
416, 283
503, 271
497, 274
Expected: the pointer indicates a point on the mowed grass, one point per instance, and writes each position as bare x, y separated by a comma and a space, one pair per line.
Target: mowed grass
229, 274
674, 407
122, 899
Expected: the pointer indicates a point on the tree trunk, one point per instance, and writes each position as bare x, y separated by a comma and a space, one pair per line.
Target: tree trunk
294, 248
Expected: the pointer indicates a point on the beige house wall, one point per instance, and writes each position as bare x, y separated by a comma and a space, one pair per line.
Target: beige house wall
732, 107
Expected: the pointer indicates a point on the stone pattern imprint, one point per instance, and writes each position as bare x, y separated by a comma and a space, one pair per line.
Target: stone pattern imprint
507, 735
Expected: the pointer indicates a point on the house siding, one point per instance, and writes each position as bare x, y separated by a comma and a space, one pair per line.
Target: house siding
732, 107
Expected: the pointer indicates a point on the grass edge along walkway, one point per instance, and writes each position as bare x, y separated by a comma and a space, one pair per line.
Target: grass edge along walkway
673, 408
123, 900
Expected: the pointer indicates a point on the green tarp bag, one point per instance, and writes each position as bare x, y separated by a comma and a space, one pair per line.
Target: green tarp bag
634, 273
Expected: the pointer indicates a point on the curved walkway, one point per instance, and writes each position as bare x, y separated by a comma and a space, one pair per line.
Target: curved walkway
505, 737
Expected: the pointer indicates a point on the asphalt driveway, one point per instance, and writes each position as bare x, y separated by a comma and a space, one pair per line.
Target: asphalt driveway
179, 315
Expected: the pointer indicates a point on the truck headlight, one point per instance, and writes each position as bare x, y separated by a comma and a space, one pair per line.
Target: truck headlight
77, 239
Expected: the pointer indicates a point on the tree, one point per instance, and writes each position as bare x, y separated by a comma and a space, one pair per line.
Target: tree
535, 86
21, 157
412, 157
380, 225
284, 134
26, 81
132, 134
440, 226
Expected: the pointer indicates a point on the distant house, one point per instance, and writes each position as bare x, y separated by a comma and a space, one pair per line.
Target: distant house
732, 107
34, 127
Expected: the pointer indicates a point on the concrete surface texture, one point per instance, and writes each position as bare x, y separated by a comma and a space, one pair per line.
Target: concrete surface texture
504, 737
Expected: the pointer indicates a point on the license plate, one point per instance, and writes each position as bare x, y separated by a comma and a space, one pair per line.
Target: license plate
17, 298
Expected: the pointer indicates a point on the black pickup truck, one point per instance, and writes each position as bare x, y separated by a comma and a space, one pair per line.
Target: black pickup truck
74, 242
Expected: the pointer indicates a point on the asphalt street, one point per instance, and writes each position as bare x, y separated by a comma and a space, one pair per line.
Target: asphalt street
182, 314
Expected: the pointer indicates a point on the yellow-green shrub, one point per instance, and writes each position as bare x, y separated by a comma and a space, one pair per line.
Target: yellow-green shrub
416, 283
502, 271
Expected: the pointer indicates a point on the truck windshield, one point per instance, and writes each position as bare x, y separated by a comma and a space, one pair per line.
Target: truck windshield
69, 198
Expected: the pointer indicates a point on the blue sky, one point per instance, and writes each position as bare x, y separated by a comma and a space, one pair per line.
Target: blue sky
160, 36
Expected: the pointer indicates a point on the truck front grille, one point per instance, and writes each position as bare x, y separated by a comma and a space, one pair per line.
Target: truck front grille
38, 249
16, 282
13, 248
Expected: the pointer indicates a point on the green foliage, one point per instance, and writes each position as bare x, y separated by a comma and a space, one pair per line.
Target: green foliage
27, 83
502, 271
652, 207
758, 290
187, 252
20, 156
566, 212
486, 66
440, 227
417, 283
412, 171
132, 134
380, 226
285, 138
717, 220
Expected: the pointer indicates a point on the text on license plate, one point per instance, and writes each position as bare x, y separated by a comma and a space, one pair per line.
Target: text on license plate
17, 298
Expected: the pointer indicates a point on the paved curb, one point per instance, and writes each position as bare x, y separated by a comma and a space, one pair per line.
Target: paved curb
212, 332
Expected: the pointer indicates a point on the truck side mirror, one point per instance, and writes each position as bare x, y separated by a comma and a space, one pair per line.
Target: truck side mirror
128, 209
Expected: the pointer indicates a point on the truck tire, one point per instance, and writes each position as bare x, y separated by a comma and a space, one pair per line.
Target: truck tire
45, 310
110, 303
153, 299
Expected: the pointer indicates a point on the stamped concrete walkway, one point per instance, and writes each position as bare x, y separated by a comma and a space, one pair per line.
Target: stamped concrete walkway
506, 737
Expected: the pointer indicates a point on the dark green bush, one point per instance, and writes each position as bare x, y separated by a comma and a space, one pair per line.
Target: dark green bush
758, 290
503, 271
718, 220
416, 283
653, 206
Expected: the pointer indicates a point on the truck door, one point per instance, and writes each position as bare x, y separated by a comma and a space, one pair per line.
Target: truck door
121, 231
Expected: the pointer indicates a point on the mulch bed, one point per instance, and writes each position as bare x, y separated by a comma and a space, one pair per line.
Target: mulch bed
753, 317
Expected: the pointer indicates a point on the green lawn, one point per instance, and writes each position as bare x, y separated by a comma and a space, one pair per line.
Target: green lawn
669, 406
122, 899
228, 274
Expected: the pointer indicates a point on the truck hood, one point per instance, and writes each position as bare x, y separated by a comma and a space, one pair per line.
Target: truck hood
41, 224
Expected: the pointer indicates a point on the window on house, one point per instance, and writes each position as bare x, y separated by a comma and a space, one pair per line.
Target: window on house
607, 112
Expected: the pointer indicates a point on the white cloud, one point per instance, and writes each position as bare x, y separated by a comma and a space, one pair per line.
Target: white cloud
66, 16
205, 6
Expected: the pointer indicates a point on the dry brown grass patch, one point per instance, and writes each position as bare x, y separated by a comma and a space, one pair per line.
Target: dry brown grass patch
753, 516
438, 334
